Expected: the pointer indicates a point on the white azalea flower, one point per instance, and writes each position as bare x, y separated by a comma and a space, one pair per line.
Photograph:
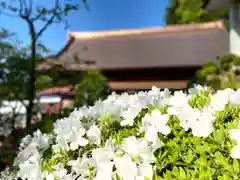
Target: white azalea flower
236, 152
196, 89
174, 111
156, 145
234, 97
102, 155
70, 131
203, 125
76, 139
25, 154
104, 171
59, 173
81, 165
30, 169
25, 142
126, 168
50, 177
61, 144
94, 134
235, 134
179, 99
42, 140
159, 121
154, 123
138, 148
202, 128
145, 171
151, 134
146, 120
133, 146
220, 99
188, 116
129, 116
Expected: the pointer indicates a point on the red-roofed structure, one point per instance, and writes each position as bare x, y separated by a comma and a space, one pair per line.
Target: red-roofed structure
62, 90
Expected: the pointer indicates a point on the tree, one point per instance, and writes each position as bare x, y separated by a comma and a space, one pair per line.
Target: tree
93, 87
188, 12
5, 46
32, 13
16, 72
14, 82
6, 49
219, 74
171, 16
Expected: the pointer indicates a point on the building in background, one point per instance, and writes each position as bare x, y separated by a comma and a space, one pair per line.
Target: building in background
234, 20
140, 58
55, 99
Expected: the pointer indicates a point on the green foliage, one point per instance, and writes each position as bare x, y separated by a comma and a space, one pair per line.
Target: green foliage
16, 72
221, 73
184, 156
6, 47
200, 100
92, 87
111, 128
189, 12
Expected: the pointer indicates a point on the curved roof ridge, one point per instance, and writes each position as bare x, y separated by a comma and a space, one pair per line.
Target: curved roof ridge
154, 30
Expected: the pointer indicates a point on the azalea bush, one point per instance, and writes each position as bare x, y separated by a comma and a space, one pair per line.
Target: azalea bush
145, 136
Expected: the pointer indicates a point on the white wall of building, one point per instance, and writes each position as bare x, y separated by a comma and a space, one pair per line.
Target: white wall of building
235, 29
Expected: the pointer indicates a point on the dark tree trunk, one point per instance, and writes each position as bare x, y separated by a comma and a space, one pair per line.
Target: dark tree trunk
32, 80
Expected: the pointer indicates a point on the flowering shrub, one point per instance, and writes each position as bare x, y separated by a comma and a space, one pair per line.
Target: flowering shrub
145, 136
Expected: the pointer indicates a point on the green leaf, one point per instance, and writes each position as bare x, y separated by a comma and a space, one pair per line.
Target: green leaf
236, 167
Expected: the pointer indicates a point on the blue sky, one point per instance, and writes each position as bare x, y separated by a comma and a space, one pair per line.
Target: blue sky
103, 15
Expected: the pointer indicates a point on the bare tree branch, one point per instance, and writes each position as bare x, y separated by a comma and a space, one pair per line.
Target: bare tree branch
37, 17
30, 7
50, 21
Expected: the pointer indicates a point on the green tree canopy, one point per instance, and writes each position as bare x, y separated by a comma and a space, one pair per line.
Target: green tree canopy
188, 12
221, 73
91, 88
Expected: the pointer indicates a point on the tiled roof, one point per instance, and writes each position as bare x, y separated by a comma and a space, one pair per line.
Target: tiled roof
170, 46
213, 5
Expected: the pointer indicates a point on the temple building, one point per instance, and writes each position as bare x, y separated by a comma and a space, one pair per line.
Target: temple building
140, 58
